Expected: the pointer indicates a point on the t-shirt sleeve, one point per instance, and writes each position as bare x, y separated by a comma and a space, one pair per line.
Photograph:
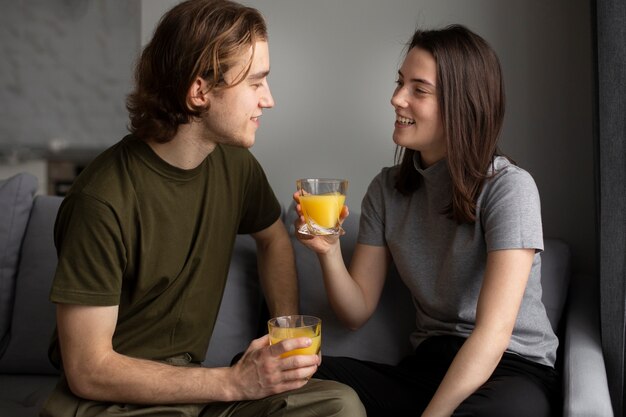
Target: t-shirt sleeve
511, 212
91, 256
260, 206
371, 222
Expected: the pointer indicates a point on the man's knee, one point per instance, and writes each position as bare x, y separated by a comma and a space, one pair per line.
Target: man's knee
336, 399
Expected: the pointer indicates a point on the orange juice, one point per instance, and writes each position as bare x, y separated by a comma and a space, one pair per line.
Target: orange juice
279, 333
323, 209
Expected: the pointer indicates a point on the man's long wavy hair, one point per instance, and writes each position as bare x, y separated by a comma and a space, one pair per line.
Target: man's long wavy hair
196, 38
470, 93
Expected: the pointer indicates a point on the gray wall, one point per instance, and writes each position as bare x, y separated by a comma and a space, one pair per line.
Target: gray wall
333, 70
334, 64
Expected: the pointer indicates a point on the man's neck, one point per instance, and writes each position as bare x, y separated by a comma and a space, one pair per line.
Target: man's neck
187, 149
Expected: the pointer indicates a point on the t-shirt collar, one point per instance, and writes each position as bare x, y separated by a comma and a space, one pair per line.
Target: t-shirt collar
155, 162
436, 172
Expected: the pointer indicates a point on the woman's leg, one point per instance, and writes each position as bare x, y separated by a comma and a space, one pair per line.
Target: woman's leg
387, 390
517, 388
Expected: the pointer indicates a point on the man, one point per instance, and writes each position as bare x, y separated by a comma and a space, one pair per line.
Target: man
144, 240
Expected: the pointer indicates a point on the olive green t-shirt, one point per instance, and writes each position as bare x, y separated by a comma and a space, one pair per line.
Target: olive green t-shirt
157, 241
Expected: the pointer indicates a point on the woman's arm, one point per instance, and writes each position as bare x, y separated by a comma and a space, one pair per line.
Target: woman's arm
353, 294
506, 275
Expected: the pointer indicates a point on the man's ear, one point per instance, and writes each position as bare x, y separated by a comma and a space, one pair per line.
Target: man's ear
198, 94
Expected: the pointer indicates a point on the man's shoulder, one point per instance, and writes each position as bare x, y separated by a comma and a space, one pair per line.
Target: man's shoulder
104, 175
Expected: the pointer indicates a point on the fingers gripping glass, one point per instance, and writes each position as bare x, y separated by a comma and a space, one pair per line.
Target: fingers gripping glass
289, 327
321, 201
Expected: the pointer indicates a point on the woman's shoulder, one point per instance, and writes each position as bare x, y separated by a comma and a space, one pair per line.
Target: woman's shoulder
507, 179
382, 189
387, 175
503, 171
384, 181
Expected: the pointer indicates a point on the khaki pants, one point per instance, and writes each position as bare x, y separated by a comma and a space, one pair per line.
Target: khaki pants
317, 398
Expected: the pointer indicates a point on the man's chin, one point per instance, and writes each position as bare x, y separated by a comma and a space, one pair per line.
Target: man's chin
248, 143
240, 142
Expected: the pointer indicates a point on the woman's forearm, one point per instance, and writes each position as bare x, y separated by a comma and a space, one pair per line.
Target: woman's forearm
471, 368
344, 293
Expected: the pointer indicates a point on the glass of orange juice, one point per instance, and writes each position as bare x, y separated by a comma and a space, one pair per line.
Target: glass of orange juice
321, 201
289, 327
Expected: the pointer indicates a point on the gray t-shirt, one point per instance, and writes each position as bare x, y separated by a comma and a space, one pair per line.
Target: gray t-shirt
443, 263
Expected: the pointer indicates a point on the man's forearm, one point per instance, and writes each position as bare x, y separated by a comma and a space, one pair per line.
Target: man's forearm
122, 379
277, 272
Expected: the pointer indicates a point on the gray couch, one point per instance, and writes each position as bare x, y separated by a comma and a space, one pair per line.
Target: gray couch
28, 259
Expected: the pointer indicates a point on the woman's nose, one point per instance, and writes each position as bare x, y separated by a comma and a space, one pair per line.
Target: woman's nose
398, 99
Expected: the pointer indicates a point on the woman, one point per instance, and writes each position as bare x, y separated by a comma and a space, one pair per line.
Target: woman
463, 226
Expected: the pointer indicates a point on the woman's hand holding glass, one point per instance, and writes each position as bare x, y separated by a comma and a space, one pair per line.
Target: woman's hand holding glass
317, 243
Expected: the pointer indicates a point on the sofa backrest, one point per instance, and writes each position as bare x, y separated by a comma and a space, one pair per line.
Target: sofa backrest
555, 278
384, 338
33, 315
16, 201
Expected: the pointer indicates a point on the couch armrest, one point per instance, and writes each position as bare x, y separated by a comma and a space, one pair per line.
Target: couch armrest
585, 387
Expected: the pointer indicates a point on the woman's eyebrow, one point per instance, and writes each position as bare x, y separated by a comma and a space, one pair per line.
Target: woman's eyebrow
417, 80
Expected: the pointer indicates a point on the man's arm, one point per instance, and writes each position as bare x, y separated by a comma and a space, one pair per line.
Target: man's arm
95, 371
277, 269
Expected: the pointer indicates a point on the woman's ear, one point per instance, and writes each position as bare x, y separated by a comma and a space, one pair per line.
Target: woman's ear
198, 94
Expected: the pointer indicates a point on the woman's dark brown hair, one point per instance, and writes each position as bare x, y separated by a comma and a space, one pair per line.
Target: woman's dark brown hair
196, 38
470, 93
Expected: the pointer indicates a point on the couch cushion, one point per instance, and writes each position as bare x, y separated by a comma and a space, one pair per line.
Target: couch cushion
34, 315
555, 277
16, 200
242, 303
24, 395
385, 336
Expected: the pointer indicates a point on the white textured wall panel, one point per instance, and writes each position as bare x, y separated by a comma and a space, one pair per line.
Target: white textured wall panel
65, 71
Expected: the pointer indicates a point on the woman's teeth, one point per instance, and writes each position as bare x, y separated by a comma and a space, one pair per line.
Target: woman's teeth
404, 121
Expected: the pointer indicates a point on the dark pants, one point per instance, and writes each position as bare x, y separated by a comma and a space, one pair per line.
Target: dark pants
518, 387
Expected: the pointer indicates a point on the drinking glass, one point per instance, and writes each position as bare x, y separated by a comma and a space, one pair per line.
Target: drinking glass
289, 327
321, 201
